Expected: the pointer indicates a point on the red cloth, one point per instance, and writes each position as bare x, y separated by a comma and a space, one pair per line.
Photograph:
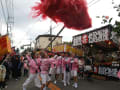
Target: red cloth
73, 13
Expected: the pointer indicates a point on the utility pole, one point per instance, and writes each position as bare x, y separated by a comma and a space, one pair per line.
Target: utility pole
51, 36
8, 26
31, 46
55, 36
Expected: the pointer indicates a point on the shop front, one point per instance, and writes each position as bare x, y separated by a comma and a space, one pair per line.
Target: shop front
103, 47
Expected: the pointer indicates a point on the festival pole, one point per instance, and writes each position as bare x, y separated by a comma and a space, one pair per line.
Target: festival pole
55, 36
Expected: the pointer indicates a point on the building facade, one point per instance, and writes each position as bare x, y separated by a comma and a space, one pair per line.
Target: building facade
42, 41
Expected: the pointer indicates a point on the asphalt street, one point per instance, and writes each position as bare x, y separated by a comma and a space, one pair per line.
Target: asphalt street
83, 85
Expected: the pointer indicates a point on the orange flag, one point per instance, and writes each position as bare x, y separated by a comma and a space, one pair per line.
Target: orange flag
5, 45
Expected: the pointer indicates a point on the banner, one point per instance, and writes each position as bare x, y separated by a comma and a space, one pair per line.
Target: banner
105, 70
5, 45
67, 48
98, 35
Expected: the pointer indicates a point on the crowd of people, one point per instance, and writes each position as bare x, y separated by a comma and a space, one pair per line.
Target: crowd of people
64, 65
40, 67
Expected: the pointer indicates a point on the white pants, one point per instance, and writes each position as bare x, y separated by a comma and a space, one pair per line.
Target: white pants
66, 77
74, 73
52, 71
32, 77
58, 70
45, 78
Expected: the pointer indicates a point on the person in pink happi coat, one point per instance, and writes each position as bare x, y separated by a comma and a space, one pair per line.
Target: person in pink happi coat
52, 65
74, 69
67, 68
58, 68
33, 71
44, 67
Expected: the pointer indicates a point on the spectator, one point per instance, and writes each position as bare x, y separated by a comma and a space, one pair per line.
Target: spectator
2, 73
15, 62
20, 65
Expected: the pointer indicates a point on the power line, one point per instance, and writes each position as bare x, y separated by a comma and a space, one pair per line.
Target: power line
1, 23
7, 8
3, 12
91, 2
0, 26
94, 3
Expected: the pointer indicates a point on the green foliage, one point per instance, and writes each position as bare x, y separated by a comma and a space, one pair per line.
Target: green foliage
110, 20
116, 27
70, 43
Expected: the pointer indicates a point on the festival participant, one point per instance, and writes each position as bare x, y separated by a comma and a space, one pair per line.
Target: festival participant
33, 70
62, 67
53, 65
67, 69
74, 66
58, 68
44, 67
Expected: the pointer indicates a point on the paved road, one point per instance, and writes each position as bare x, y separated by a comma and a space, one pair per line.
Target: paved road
83, 85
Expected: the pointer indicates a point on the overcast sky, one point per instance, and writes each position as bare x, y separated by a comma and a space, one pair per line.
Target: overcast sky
26, 28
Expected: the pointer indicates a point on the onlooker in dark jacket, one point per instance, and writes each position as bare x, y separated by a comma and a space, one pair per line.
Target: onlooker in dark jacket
15, 63
20, 67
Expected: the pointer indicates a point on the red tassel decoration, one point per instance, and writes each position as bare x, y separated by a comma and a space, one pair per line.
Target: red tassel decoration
73, 13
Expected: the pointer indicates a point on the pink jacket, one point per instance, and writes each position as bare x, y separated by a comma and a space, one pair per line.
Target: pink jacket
25, 66
33, 67
52, 63
44, 65
66, 61
75, 64
59, 62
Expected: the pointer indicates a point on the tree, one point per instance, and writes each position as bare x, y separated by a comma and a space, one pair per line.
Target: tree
116, 26
107, 19
70, 43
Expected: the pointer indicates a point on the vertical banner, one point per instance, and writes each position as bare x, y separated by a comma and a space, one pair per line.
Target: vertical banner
5, 45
